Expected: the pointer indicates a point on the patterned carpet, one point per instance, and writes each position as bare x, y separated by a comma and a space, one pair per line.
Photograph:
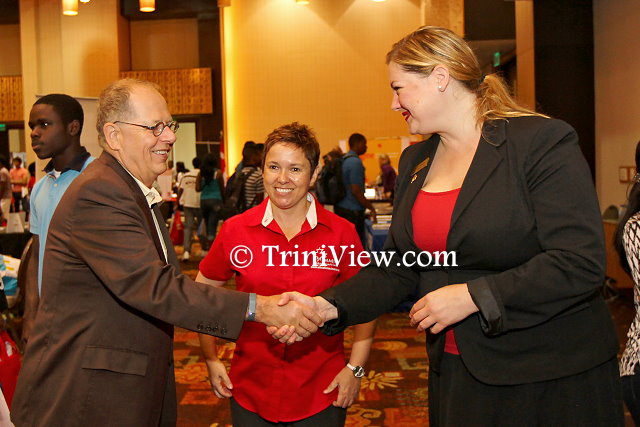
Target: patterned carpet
393, 393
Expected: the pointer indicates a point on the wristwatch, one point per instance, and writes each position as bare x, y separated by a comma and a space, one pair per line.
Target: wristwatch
358, 371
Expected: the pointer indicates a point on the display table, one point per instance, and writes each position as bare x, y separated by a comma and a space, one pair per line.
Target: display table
13, 244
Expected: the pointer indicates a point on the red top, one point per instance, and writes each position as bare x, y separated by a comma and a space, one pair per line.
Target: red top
284, 383
431, 216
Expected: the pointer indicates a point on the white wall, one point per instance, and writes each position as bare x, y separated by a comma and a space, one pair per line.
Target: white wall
184, 150
617, 93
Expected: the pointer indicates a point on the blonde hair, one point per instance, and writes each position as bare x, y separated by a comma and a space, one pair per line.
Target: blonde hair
421, 51
113, 103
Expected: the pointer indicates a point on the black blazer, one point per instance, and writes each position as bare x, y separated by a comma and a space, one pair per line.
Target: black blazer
528, 236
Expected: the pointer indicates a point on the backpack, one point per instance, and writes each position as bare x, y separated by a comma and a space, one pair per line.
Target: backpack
234, 200
330, 188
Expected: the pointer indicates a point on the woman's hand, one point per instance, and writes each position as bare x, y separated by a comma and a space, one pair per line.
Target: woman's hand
442, 307
219, 379
348, 388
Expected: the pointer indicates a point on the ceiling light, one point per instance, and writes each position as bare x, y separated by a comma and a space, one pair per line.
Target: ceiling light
147, 5
70, 7
85, 1
302, 1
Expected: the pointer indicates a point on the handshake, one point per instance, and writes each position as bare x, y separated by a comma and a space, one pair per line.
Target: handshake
292, 316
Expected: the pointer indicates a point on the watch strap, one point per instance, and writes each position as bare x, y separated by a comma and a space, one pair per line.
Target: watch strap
251, 309
358, 371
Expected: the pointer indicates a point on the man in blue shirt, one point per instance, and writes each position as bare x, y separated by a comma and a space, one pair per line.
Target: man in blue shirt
352, 207
56, 124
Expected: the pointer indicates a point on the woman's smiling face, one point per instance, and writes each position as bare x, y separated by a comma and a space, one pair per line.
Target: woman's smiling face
415, 96
287, 176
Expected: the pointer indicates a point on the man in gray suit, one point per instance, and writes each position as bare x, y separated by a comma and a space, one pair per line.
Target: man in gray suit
101, 348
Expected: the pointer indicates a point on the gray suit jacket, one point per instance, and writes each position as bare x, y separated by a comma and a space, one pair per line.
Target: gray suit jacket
101, 348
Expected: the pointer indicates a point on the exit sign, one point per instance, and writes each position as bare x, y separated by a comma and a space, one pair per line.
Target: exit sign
3, 127
496, 59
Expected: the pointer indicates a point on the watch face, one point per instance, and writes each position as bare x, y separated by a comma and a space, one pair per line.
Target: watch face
358, 372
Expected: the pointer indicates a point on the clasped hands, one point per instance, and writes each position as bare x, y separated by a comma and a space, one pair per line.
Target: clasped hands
292, 316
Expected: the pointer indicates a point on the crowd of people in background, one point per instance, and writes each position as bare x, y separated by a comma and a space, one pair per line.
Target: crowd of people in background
16, 183
203, 191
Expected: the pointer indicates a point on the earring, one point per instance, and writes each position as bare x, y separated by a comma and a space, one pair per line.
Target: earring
440, 88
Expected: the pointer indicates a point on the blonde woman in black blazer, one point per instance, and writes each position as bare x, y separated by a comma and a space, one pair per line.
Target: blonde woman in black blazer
536, 342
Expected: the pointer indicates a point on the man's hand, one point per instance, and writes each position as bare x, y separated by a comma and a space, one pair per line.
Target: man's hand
302, 318
442, 307
287, 334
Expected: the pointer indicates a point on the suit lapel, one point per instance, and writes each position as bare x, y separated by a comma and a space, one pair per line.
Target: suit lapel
141, 201
484, 162
171, 254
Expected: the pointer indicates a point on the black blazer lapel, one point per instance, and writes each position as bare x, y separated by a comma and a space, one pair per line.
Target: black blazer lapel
414, 177
484, 162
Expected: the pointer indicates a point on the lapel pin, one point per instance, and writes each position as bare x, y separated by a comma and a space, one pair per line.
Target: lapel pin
418, 168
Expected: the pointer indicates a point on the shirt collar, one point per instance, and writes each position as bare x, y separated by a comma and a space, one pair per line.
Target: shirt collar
76, 164
151, 194
312, 213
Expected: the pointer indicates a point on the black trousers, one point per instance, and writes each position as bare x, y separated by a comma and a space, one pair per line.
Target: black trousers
591, 398
330, 417
631, 394
17, 201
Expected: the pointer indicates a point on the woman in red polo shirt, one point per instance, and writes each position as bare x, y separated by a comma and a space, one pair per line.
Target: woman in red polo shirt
288, 242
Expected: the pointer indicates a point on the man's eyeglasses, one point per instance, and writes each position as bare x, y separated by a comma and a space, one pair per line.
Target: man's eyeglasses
157, 128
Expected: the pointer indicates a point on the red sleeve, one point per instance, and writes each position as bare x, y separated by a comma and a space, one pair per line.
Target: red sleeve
216, 265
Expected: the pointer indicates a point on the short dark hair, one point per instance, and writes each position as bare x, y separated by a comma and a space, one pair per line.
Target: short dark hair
298, 135
67, 107
253, 155
196, 162
355, 138
247, 151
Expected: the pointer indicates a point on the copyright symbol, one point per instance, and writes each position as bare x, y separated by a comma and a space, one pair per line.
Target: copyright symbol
241, 256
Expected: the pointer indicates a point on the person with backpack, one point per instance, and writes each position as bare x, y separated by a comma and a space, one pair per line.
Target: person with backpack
253, 186
244, 188
352, 206
211, 187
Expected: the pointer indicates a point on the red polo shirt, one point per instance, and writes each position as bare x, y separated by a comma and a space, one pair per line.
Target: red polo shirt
284, 383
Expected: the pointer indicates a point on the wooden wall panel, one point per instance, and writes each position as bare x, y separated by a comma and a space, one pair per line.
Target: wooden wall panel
11, 99
444, 13
187, 91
